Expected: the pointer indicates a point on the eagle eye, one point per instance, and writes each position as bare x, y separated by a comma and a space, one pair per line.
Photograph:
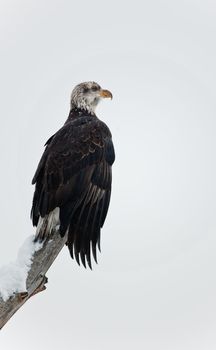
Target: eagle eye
85, 89
94, 88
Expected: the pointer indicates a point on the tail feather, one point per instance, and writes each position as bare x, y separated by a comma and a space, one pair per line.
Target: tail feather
47, 224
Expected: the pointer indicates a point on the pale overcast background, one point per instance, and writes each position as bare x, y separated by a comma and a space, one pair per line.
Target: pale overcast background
155, 285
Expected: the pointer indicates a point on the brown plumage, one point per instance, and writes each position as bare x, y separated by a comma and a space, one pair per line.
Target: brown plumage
75, 175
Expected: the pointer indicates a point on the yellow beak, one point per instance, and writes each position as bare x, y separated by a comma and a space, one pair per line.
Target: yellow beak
106, 94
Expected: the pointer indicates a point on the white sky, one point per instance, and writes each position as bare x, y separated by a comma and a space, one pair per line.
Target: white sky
155, 285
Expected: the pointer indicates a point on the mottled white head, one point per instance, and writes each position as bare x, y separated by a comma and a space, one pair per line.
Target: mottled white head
86, 96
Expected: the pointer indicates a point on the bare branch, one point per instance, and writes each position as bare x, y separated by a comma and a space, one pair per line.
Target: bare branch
36, 280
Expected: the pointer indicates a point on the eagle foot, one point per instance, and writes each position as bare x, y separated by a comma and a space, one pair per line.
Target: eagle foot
22, 295
44, 279
41, 286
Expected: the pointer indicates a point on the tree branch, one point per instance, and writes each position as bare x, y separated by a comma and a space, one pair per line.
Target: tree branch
36, 279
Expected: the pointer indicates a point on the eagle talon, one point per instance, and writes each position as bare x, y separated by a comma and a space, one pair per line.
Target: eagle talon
44, 279
22, 295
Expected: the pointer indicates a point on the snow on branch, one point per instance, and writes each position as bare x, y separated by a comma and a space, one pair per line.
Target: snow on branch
26, 276
14, 275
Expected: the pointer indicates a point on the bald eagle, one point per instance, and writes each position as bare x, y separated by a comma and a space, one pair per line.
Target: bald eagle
73, 178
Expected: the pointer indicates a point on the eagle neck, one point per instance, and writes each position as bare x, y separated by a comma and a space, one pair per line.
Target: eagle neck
76, 112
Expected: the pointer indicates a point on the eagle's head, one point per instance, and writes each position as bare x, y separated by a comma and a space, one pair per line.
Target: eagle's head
86, 96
